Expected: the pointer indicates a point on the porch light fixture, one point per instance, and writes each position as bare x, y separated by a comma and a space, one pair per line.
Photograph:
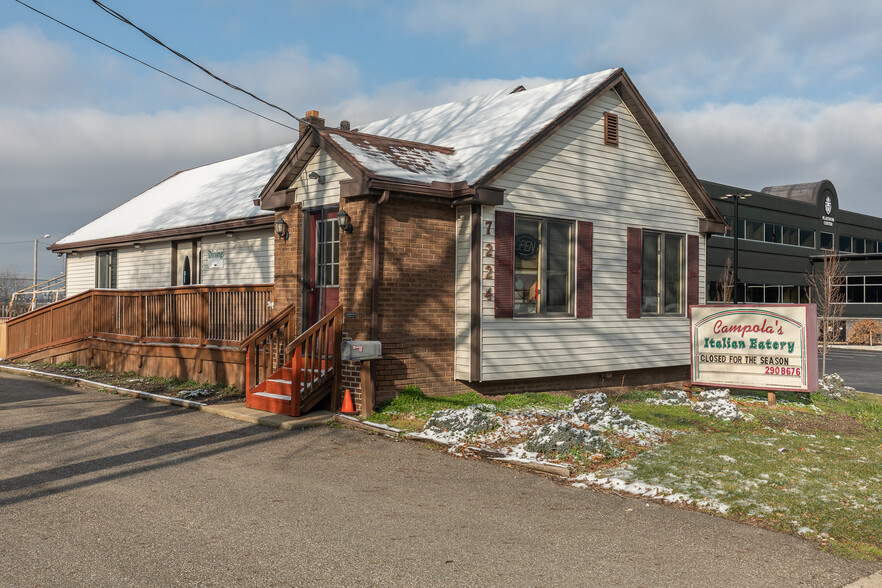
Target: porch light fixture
317, 176
281, 228
345, 221
137, 245
229, 234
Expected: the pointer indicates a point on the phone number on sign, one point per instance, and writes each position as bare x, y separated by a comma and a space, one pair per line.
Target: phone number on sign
783, 371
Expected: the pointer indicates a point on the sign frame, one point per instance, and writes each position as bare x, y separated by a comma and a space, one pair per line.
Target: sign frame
807, 340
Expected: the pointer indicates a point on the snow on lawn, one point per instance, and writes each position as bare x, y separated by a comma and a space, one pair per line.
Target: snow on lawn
783, 476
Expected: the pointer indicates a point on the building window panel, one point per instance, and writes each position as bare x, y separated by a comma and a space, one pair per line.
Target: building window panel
663, 273
857, 245
773, 233
105, 271
543, 267
790, 235
754, 230
873, 290
826, 240
807, 238
844, 244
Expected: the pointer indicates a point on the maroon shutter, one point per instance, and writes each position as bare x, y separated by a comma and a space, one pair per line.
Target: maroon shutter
635, 263
504, 265
692, 283
584, 268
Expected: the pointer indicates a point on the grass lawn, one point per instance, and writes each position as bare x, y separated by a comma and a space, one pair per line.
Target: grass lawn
811, 466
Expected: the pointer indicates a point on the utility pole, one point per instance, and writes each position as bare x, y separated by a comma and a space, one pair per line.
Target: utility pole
34, 296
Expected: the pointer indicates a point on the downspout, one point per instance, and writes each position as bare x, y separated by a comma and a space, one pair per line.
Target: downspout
375, 285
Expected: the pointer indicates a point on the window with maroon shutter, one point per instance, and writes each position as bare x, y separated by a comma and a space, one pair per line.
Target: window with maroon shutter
504, 285
584, 269
634, 278
692, 270
657, 273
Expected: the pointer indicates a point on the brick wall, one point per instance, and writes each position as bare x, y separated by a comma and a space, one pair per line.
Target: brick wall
287, 286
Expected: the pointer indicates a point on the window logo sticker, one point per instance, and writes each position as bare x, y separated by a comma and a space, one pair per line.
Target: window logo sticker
526, 245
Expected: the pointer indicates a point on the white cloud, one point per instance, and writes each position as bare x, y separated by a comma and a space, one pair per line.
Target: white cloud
775, 141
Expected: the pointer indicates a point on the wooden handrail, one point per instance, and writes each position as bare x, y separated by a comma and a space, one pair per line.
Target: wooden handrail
267, 327
314, 328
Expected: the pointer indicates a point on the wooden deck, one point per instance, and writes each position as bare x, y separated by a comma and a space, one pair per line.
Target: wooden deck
189, 332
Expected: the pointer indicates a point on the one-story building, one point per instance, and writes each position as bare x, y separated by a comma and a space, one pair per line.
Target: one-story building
531, 239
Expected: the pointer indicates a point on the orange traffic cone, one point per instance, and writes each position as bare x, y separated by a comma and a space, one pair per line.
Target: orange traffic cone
348, 407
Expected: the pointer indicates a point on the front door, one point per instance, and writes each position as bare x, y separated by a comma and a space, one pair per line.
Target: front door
322, 271
185, 263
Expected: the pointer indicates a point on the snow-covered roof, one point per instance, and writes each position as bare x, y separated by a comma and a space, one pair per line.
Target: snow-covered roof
208, 194
482, 131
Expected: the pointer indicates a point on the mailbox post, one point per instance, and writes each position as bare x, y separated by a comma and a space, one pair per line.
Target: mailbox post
363, 351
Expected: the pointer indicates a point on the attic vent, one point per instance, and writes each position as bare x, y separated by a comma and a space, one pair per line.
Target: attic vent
610, 128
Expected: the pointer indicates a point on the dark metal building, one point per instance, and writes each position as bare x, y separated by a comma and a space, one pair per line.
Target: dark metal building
782, 232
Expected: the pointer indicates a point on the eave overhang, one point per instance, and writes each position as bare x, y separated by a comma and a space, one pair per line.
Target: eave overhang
256, 222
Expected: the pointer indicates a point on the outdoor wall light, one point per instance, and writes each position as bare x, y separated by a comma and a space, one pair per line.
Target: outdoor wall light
281, 228
137, 245
316, 176
229, 234
345, 221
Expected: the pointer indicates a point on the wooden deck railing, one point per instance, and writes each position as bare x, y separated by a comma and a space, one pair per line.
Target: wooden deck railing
217, 316
314, 354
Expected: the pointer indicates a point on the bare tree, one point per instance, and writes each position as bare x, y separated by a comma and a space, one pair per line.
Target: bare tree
826, 288
10, 281
725, 285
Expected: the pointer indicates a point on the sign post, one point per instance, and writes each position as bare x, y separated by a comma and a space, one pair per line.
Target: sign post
762, 347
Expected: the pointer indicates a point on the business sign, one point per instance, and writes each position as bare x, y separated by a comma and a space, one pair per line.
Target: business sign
215, 258
766, 346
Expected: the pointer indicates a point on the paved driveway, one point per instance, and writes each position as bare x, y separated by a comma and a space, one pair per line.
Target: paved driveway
860, 368
99, 490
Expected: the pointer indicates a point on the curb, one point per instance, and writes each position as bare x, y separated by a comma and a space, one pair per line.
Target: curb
98, 385
355, 423
236, 411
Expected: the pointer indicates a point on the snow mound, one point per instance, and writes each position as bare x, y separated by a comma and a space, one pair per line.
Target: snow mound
716, 403
562, 437
833, 386
194, 394
670, 398
466, 421
711, 395
598, 414
587, 402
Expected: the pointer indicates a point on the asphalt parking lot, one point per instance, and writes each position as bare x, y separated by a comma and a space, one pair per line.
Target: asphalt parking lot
100, 490
861, 369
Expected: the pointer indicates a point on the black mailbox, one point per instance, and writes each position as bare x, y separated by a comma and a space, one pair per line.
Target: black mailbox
361, 350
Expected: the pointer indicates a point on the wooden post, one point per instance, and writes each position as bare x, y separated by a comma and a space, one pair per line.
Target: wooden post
367, 390
338, 365
771, 400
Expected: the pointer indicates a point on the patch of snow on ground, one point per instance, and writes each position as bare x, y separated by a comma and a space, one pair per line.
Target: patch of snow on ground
716, 403
618, 481
671, 398
562, 437
463, 422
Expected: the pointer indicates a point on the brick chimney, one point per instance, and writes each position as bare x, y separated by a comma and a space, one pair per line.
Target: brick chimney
311, 116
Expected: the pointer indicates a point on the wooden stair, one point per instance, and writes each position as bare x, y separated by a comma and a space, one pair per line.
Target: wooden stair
276, 393
286, 376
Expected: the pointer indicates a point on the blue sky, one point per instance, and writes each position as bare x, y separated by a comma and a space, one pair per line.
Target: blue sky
753, 93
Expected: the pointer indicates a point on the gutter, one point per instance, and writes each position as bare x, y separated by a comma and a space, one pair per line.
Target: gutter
375, 285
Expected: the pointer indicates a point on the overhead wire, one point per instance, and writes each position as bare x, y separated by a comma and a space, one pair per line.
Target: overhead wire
147, 34
158, 70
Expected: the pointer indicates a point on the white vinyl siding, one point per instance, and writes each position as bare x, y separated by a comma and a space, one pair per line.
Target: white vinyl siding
574, 176
146, 267
309, 192
248, 258
462, 368
80, 272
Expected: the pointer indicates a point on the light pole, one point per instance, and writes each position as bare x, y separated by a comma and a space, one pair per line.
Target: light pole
35, 262
735, 198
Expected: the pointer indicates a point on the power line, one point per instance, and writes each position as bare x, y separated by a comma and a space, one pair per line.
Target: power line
156, 69
121, 18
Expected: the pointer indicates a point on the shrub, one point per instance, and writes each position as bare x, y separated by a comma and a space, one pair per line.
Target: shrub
865, 332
